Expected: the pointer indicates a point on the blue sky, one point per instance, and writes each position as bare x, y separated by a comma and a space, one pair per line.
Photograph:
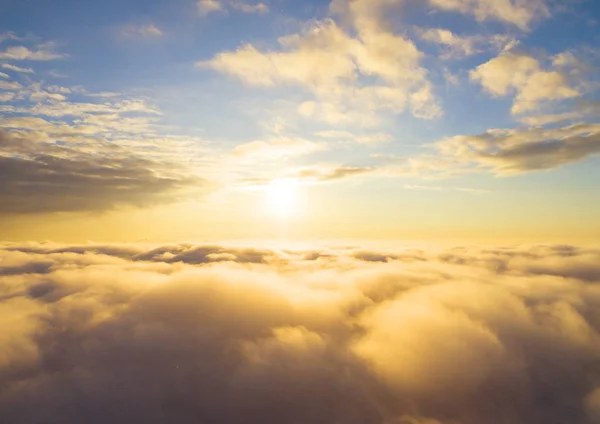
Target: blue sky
456, 115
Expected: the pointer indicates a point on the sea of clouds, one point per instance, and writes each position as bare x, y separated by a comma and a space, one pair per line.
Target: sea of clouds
189, 333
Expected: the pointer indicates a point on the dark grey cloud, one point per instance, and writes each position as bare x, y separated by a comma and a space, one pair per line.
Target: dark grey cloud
39, 177
222, 334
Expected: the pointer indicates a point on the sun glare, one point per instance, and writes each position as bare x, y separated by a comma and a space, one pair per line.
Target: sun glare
282, 197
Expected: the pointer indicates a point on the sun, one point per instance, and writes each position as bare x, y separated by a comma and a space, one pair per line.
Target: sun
282, 197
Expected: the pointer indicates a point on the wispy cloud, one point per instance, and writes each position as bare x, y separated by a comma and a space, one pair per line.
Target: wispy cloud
10, 85
15, 68
259, 8
520, 14
368, 139
511, 152
279, 147
459, 46
439, 188
141, 31
9, 36
330, 172
206, 7
56, 74
42, 52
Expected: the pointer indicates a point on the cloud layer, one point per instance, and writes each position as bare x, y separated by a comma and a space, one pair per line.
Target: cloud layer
207, 333
38, 176
510, 152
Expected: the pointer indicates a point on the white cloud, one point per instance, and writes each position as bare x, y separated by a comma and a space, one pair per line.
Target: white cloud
42, 52
142, 31
6, 97
59, 89
103, 94
450, 77
334, 66
38, 94
241, 6
541, 120
457, 46
8, 36
3, 75
526, 77
10, 85
206, 7
520, 13
56, 74
15, 68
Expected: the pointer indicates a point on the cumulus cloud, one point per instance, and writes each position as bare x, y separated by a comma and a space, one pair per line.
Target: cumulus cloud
525, 76
188, 333
349, 75
520, 13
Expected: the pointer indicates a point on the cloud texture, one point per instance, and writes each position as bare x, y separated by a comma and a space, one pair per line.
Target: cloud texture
38, 176
217, 334
353, 77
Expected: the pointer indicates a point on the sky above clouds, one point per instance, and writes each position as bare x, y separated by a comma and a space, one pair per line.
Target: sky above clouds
215, 119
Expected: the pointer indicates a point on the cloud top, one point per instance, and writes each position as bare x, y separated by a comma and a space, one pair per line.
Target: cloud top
187, 333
